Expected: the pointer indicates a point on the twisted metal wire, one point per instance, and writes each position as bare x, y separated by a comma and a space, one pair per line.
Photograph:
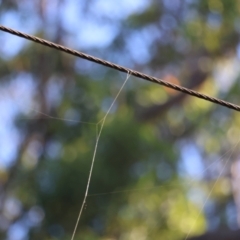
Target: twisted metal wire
121, 68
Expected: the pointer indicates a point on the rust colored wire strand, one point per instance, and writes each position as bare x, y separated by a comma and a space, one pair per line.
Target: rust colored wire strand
121, 68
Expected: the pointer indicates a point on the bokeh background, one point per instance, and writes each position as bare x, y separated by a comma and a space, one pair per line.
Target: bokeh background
167, 164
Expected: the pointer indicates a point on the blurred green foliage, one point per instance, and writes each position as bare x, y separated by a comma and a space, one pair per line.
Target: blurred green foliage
141, 187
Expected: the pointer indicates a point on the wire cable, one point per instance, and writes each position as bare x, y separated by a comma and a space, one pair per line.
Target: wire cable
121, 68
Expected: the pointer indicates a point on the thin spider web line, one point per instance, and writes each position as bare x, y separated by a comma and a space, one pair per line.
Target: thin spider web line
56, 118
221, 158
132, 190
47, 116
210, 192
190, 182
94, 155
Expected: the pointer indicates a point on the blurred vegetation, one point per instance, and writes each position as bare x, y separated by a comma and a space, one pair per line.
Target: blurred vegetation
164, 160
